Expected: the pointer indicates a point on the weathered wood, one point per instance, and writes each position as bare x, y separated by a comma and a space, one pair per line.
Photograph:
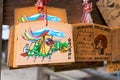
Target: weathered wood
110, 10
10, 47
74, 11
92, 42
115, 31
113, 66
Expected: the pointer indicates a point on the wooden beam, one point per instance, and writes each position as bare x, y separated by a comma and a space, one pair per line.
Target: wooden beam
100, 75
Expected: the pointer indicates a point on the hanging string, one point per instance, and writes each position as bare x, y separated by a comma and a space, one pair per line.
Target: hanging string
42, 9
40, 6
46, 13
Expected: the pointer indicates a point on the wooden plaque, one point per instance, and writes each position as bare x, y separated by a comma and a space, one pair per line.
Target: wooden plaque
110, 10
10, 47
29, 11
92, 42
10, 54
57, 48
113, 66
115, 31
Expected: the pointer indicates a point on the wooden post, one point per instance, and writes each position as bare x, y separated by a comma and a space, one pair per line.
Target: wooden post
1, 18
41, 75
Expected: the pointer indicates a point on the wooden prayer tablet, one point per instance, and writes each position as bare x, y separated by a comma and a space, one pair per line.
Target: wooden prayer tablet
36, 44
78, 65
110, 11
23, 14
9, 59
31, 11
113, 66
115, 34
92, 42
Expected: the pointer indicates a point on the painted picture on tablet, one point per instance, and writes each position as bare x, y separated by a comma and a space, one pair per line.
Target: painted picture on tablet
42, 43
38, 44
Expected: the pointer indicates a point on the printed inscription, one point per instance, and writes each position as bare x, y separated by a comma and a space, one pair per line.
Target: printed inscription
92, 43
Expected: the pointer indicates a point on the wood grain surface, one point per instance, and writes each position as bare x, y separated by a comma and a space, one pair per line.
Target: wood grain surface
115, 31
113, 66
29, 11
92, 42
110, 10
